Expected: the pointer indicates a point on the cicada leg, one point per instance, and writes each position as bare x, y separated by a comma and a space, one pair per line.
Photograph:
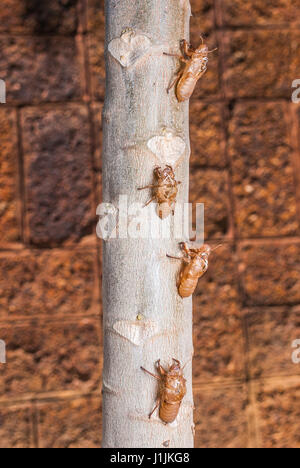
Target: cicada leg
150, 201
186, 48
177, 77
148, 187
155, 408
150, 373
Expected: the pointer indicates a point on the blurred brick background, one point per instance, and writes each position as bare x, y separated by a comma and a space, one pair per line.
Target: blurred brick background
245, 168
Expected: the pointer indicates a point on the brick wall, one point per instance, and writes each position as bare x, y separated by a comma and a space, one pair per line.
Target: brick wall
245, 168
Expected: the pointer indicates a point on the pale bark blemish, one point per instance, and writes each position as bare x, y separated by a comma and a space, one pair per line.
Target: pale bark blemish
129, 48
136, 332
108, 389
145, 418
168, 147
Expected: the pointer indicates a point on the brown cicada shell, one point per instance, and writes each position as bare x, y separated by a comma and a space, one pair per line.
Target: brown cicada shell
195, 65
164, 191
195, 266
172, 389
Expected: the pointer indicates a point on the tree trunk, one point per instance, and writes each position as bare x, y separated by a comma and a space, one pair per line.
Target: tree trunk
144, 317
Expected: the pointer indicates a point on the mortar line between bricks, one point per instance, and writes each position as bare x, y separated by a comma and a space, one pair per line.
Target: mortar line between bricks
289, 380
203, 100
35, 425
20, 320
88, 83
47, 35
84, 4
50, 104
82, 13
38, 398
19, 248
293, 124
251, 413
63, 248
21, 176
64, 318
262, 240
284, 27
251, 309
94, 164
218, 15
67, 395
253, 418
251, 305
224, 383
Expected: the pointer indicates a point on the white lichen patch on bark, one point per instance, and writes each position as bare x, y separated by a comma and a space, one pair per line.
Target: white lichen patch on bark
130, 47
137, 332
168, 147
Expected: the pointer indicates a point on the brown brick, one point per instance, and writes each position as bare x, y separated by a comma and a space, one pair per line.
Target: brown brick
44, 356
279, 413
9, 210
48, 283
221, 417
95, 17
96, 38
295, 52
260, 12
15, 428
271, 273
210, 187
207, 135
218, 332
70, 424
203, 17
252, 69
220, 284
49, 69
263, 178
97, 115
36, 17
97, 67
220, 349
59, 177
271, 334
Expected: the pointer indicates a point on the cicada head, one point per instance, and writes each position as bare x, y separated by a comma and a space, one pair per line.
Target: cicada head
202, 50
175, 368
205, 251
168, 172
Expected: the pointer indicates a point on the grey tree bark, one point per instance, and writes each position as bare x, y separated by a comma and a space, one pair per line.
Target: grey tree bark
144, 317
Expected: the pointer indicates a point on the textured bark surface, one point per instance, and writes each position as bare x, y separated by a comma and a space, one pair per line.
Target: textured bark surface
139, 281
